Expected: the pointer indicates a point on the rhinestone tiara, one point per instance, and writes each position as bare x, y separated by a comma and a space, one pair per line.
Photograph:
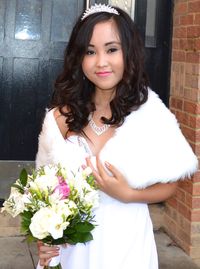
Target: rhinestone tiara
96, 8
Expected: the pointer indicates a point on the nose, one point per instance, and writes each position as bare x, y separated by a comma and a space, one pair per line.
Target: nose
102, 60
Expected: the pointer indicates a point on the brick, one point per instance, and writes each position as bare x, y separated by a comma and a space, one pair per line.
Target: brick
180, 32
172, 202
192, 81
182, 117
187, 44
197, 44
171, 211
195, 241
191, 107
193, 31
184, 224
194, 252
194, 6
186, 19
192, 68
195, 215
196, 202
196, 189
189, 133
176, 20
170, 224
192, 57
191, 94
181, 8
197, 19
175, 43
196, 149
184, 236
188, 200
178, 56
180, 194
197, 120
186, 185
183, 210
196, 177
195, 228
176, 103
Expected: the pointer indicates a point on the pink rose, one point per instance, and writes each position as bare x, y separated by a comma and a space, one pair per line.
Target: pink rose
63, 188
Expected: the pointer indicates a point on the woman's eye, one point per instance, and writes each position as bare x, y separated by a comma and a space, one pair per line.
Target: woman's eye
90, 52
111, 50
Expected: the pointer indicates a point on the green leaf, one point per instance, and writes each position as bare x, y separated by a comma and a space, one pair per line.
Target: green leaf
27, 215
81, 237
69, 230
23, 177
84, 227
25, 221
20, 189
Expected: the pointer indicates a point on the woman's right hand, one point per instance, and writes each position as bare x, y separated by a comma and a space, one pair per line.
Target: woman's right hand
46, 253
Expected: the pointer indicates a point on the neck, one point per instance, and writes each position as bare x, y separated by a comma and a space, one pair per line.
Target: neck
102, 99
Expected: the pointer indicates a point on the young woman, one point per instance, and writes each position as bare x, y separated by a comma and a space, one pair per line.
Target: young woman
104, 115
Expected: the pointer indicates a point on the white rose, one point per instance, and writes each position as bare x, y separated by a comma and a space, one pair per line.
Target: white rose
46, 182
47, 222
57, 226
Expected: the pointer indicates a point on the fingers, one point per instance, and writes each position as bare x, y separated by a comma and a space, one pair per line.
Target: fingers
113, 170
101, 168
89, 163
46, 253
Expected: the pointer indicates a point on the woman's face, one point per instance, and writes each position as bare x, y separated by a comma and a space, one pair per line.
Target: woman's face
103, 63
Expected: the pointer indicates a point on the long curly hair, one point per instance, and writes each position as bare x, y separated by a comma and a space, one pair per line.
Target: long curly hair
74, 91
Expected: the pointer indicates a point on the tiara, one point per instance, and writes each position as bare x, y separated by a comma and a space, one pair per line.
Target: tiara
99, 8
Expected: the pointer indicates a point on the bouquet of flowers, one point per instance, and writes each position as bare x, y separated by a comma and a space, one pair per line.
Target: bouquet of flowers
55, 204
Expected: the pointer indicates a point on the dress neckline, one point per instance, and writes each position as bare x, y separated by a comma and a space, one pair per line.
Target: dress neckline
82, 142
83, 139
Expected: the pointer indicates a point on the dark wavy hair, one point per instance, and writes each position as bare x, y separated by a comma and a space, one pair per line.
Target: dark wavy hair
74, 91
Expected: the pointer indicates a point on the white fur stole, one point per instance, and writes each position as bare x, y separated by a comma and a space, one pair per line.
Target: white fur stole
148, 148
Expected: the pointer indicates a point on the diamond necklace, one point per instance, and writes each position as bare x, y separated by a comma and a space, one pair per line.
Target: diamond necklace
98, 130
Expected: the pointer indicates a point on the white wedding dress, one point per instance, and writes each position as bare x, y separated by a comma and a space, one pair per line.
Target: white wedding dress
123, 237
148, 148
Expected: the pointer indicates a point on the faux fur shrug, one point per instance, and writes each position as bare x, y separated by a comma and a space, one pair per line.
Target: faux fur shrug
148, 148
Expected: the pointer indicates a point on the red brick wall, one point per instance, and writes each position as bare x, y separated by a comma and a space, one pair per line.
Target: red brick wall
182, 216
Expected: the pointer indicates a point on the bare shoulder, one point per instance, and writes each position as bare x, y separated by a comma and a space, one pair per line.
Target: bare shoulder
60, 120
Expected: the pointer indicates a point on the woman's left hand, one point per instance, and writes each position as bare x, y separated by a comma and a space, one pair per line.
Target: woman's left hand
116, 185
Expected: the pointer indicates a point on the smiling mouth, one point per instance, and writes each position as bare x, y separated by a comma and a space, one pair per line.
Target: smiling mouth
103, 74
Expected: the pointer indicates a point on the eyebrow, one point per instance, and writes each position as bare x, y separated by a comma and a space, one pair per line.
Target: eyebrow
107, 44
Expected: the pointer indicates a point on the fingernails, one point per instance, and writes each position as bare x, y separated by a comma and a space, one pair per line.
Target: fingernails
107, 164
